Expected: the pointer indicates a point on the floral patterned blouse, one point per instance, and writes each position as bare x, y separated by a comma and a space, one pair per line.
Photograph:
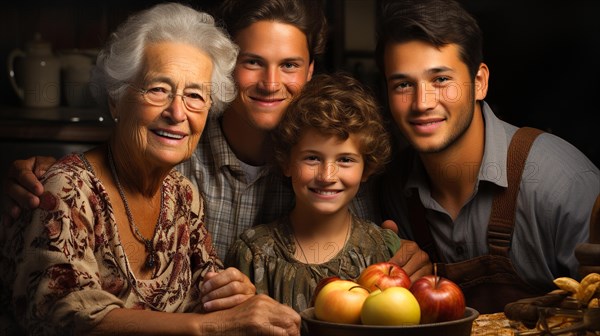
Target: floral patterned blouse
67, 267
265, 253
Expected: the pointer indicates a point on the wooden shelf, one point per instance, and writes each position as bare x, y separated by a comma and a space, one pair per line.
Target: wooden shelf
64, 124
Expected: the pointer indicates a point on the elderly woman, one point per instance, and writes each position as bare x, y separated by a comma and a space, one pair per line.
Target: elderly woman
119, 242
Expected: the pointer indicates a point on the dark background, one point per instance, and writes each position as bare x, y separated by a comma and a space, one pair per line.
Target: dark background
543, 56
543, 62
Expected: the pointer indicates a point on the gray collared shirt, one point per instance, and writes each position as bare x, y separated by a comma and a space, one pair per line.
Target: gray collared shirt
233, 203
558, 189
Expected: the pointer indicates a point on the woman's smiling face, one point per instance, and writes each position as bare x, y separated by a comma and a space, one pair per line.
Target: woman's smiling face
165, 135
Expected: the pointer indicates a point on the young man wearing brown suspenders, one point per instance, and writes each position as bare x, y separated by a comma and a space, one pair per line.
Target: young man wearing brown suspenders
500, 209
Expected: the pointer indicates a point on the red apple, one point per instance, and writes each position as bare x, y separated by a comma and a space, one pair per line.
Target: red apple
440, 299
320, 286
340, 301
383, 275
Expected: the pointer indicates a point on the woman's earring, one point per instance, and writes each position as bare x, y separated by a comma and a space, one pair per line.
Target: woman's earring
116, 119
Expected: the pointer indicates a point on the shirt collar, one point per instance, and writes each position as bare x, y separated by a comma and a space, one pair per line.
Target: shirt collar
221, 152
493, 164
223, 156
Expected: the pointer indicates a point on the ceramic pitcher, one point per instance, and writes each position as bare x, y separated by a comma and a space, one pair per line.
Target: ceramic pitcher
35, 74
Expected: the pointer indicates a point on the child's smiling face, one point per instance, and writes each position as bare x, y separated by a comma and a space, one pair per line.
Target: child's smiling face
326, 172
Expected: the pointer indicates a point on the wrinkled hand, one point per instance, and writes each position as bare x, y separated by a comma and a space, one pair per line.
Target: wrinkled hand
225, 289
261, 315
22, 187
413, 260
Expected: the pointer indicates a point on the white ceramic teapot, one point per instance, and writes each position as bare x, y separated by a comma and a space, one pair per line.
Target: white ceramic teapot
35, 76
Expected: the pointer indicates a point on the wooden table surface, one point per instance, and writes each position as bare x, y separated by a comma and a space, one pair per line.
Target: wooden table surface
498, 325
492, 324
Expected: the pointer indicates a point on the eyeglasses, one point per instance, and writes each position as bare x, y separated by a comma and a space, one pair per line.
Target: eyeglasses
193, 100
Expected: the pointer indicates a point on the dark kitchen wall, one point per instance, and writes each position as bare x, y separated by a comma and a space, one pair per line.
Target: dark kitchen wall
67, 24
542, 55
543, 58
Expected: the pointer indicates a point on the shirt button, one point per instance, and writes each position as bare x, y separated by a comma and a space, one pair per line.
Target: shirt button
460, 250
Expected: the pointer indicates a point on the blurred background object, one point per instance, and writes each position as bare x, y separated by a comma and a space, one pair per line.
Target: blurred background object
541, 57
34, 73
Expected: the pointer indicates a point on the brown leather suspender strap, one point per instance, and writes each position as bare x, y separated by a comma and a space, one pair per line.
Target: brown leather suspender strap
502, 217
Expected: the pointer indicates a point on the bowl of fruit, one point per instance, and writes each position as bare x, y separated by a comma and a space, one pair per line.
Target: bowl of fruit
383, 301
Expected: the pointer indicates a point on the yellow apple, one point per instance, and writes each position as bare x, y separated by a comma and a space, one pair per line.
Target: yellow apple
392, 306
320, 286
340, 301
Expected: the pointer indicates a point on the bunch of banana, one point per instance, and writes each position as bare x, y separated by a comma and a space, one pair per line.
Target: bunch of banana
587, 292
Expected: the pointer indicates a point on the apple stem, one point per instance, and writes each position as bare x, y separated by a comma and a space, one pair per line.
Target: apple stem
435, 275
